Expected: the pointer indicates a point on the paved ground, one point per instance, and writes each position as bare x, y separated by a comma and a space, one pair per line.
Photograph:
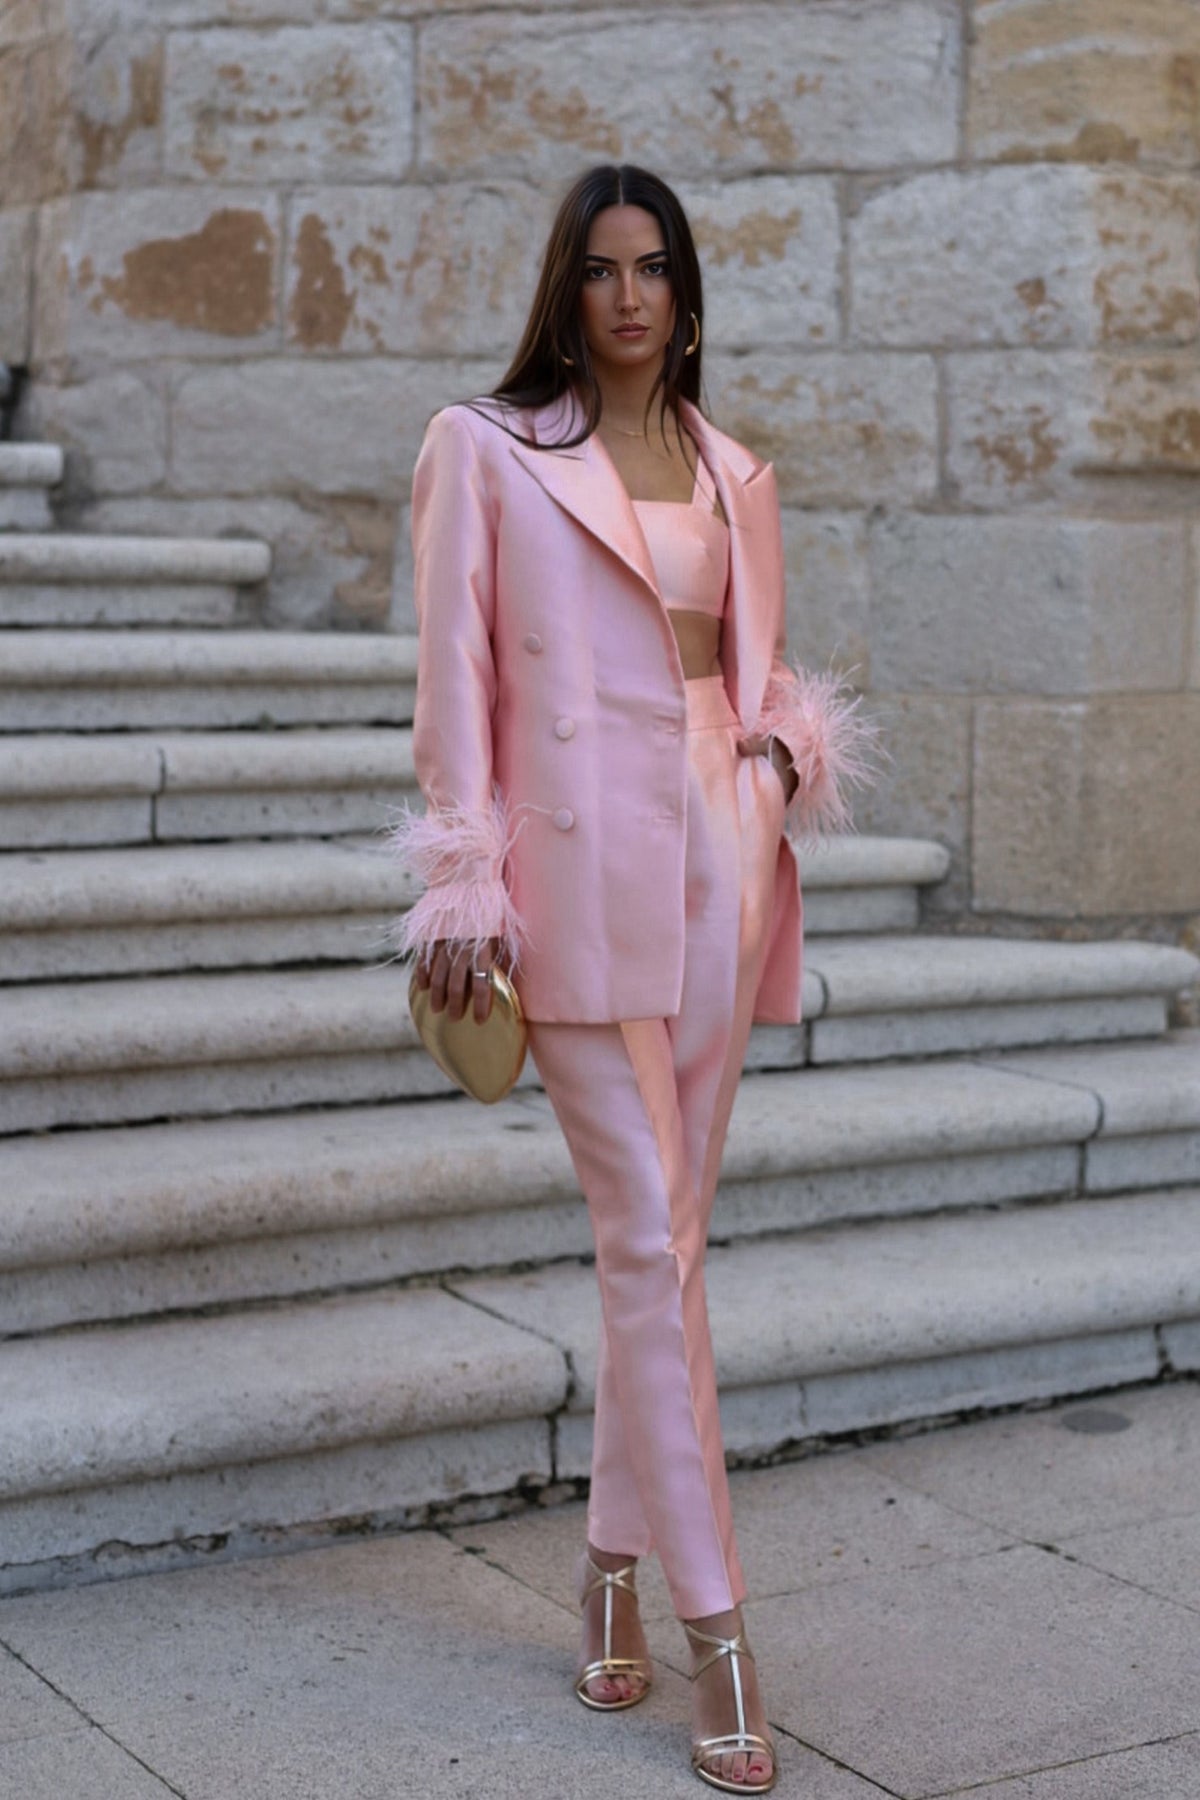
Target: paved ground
1009, 1609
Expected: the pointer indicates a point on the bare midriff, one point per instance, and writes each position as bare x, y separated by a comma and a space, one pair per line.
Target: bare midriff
699, 638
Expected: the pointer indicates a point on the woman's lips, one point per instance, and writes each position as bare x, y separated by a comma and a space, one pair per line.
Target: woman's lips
631, 331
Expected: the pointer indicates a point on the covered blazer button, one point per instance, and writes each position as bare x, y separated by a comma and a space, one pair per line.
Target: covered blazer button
564, 818
564, 729
533, 643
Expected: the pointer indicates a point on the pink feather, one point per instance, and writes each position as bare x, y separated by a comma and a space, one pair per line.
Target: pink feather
459, 857
832, 748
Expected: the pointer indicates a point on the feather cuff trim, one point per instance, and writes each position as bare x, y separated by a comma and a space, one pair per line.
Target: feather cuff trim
459, 857
832, 748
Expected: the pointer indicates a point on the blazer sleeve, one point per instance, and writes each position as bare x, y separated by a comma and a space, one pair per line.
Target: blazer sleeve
457, 849
817, 717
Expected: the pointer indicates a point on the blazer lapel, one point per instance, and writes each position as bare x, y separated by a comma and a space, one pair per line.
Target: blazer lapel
755, 613
584, 482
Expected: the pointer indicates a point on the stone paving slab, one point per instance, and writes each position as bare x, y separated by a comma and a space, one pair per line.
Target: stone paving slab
1169, 1771
829, 1518
1072, 1480
906, 1648
1160, 1555
28, 1707
931, 1680
362, 1673
84, 1764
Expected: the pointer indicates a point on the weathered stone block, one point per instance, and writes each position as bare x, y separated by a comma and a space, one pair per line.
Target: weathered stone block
351, 427
1086, 80
770, 250
1061, 606
1029, 255
924, 789
1088, 807
294, 104
160, 273
35, 87
828, 590
116, 109
842, 430
23, 21
419, 270
16, 280
1193, 677
121, 15
823, 84
114, 426
1029, 426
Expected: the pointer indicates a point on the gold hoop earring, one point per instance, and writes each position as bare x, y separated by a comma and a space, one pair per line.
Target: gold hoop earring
695, 343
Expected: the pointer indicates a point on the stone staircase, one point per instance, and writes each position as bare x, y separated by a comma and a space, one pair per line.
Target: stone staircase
260, 1274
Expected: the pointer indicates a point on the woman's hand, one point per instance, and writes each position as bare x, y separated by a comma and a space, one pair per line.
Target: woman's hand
455, 971
776, 751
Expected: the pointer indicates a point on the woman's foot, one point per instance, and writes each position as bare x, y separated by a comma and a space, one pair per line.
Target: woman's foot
733, 1744
614, 1669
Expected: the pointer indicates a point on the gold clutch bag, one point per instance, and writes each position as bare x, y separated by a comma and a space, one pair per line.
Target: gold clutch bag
484, 1060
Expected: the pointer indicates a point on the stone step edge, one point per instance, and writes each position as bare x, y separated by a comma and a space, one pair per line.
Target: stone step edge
50, 558
117, 1191
842, 1305
52, 891
77, 768
122, 659
143, 884
31, 465
52, 1029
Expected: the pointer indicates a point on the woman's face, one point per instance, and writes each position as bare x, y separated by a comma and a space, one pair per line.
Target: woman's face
627, 303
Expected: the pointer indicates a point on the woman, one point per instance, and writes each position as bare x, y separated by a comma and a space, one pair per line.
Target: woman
607, 740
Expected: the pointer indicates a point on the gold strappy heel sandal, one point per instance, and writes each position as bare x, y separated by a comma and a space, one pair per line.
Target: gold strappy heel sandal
730, 1742
608, 1664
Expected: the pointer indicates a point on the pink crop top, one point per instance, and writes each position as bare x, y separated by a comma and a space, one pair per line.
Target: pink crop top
689, 548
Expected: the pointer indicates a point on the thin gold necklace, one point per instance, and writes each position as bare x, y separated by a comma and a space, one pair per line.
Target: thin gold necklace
623, 431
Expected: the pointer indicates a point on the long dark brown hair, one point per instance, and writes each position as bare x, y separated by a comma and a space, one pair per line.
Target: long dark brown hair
552, 357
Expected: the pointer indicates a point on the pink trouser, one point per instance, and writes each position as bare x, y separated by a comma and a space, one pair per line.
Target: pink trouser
644, 1107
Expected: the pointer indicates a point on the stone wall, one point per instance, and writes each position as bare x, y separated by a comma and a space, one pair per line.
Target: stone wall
952, 250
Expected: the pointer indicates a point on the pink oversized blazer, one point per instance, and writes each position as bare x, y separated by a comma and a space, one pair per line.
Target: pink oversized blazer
550, 727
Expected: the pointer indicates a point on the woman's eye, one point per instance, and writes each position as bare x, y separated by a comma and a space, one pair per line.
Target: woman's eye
594, 272
654, 268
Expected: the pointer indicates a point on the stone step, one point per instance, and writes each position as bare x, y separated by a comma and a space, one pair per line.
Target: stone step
890, 996
868, 884
67, 913
31, 465
874, 1324
61, 789
103, 680
387, 1405
123, 1222
99, 1052
234, 905
57, 579
27, 473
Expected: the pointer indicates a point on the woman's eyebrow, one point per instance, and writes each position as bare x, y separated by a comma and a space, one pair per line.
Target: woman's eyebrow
611, 261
